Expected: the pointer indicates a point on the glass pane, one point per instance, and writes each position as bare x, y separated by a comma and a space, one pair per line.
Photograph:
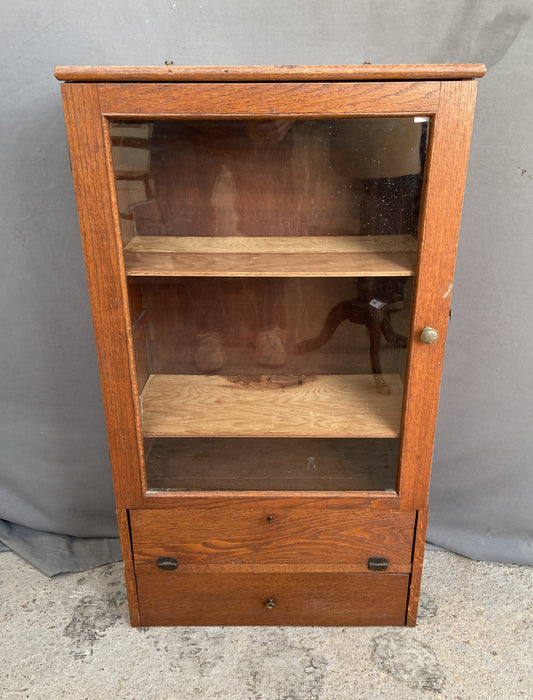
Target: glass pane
279, 464
276, 177
286, 326
271, 272
269, 383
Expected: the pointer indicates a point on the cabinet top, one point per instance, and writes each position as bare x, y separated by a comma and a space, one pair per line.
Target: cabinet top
170, 73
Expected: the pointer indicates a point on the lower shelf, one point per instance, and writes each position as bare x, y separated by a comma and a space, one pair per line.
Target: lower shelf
170, 598
340, 405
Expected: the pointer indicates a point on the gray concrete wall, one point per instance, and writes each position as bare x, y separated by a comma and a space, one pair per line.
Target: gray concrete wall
54, 465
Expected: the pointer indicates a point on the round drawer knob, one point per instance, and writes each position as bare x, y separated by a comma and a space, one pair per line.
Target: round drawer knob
270, 603
270, 518
429, 335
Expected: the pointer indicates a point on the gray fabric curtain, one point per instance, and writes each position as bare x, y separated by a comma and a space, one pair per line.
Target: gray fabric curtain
54, 470
58, 554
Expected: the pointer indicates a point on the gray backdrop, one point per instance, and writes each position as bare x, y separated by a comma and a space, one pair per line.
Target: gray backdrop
55, 474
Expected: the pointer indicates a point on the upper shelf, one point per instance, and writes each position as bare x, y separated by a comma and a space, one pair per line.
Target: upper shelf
416, 71
305, 256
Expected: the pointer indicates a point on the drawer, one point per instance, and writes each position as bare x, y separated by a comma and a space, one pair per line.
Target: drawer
175, 598
263, 533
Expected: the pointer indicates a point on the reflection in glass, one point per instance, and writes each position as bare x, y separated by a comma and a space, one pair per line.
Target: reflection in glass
231, 232
249, 326
269, 177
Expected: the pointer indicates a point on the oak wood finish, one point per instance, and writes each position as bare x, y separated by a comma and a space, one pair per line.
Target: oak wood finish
270, 406
441, 216
171, 598
196, 74
418, 561
370, 500
316, 256
129, 571
267, 100
107, 289
308, 559
277, 533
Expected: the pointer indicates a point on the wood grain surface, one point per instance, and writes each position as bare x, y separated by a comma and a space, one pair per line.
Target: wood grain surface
416, 573
236, 551
267, 100
169, 598
273, 533
441, 216
270, 406
373, 501
265, 73
107, 287
276, 244
129, 572
314, 256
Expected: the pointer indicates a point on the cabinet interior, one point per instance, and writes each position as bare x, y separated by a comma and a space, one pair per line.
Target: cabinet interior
270, 281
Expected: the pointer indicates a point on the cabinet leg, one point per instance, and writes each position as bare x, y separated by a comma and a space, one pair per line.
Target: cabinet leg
129, 572
416, 573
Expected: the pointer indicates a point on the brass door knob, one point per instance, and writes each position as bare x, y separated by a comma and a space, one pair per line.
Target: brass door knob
429, 335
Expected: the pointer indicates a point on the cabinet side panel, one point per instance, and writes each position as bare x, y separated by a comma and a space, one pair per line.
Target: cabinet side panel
416, 573
441, 215
129, 572
106, 282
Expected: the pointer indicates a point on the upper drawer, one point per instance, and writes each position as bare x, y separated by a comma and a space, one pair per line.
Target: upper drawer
274, 532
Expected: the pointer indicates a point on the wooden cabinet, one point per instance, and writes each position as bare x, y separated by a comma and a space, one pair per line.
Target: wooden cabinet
270, 258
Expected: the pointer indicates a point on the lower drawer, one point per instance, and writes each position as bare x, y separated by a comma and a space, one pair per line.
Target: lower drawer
172, 598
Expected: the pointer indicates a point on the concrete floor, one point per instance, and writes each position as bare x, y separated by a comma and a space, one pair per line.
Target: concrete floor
69, 637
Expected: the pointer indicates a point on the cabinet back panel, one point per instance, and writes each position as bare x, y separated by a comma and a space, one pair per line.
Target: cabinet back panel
289, 326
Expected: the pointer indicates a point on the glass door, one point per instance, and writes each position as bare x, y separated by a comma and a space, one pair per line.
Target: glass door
270, 267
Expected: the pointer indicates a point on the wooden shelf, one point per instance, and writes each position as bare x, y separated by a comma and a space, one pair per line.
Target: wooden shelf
270, 406
298, 256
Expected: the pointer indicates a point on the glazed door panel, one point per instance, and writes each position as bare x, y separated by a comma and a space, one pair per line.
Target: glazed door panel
274, 261
275, 271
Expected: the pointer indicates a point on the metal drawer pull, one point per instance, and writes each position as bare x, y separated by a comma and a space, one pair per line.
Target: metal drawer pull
270, 603
270, 518
378, 564
167, 563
